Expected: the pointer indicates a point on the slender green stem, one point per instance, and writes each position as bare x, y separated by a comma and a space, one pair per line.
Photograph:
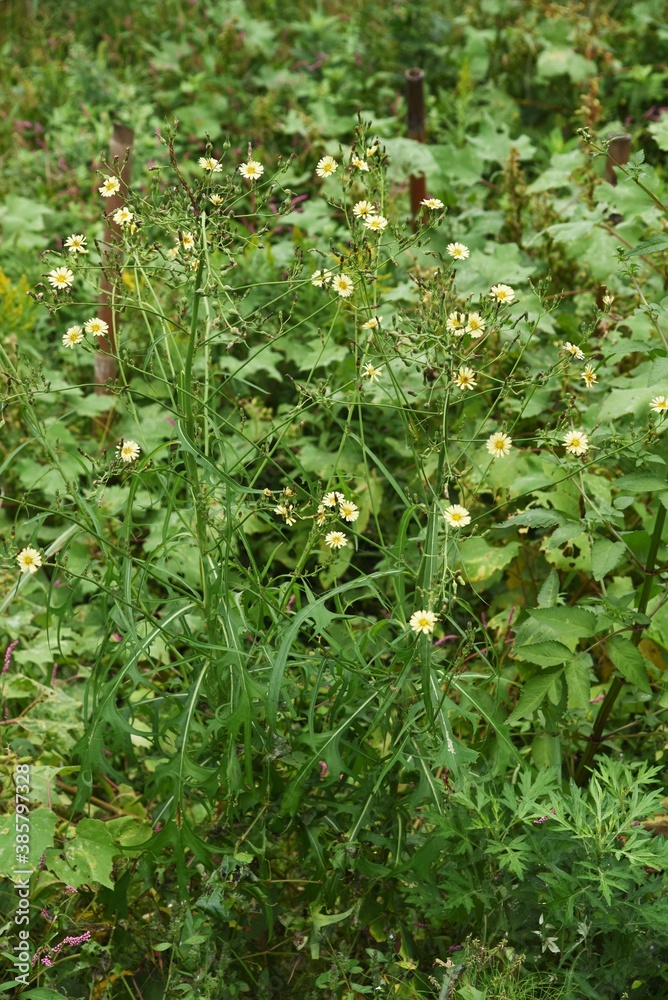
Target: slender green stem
607, 705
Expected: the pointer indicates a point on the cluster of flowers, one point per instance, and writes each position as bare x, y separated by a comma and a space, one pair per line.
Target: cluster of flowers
74, 335
72, 941
332, 501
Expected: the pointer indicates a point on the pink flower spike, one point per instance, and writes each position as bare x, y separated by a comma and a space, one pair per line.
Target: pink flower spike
8, 656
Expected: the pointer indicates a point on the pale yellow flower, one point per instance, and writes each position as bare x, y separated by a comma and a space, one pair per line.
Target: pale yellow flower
72, 336
371, 372
360, 163
457, 516
574, 351
589, 375
475, 325
187, 241
326, 166
458, 251
432, 203
333, 499
498, 445
348, 510
423, 622
342, 284
128, 451
321, 277
659, 404
363, 208
96, 327
110, 186
60, 278
76, 243
216, 199
502, 293
336, 539
376, 223
372, 323
321, 516
29, 560
210, 163
576, 442
465, 379
456, 323
123, 216
251, 170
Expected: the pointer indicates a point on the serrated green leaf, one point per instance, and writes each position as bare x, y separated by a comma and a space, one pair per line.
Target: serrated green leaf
570, 623
605, 555
629, 661
535, 518
42, 826
549, 592
641, 482
658, 372
533, 693
548, 653
653, 244
86, 857
578, 681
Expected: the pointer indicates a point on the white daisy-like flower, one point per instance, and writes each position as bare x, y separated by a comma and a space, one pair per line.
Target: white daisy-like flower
361, 209
326, 166
29, 560
321, 277
336, 539
498, 445
60, 278
96, 327
72, 336
342, 284
376, 223
475, 325
216, 199
608, 299
432, 203
252, 170
574, 350
360, 163
659, 404
128, 451
423, 622
333, 499
371, 372
348, 510
110, 186
458, 251
589, 376
123, 216
321, 516
173, 253
372, 324
371, 150
210, 163
465, 379
456, 323
457, 516
576, 442
286, 511
503, 294
187, 241
76, 243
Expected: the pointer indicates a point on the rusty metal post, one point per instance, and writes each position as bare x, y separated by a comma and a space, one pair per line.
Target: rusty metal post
415, 116
120, 148
619, 151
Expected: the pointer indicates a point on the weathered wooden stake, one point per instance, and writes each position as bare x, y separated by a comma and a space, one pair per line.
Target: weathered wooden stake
105, 357
415, 115
619, 151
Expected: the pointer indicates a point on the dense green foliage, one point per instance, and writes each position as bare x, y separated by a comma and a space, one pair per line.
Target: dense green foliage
336, 626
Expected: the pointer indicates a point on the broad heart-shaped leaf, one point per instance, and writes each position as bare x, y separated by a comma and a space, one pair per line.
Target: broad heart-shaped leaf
533, 693
88, 856
565, 623
42, 826
629, 661
549, 591
653, 244
481, 560
641, 482
605, 555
